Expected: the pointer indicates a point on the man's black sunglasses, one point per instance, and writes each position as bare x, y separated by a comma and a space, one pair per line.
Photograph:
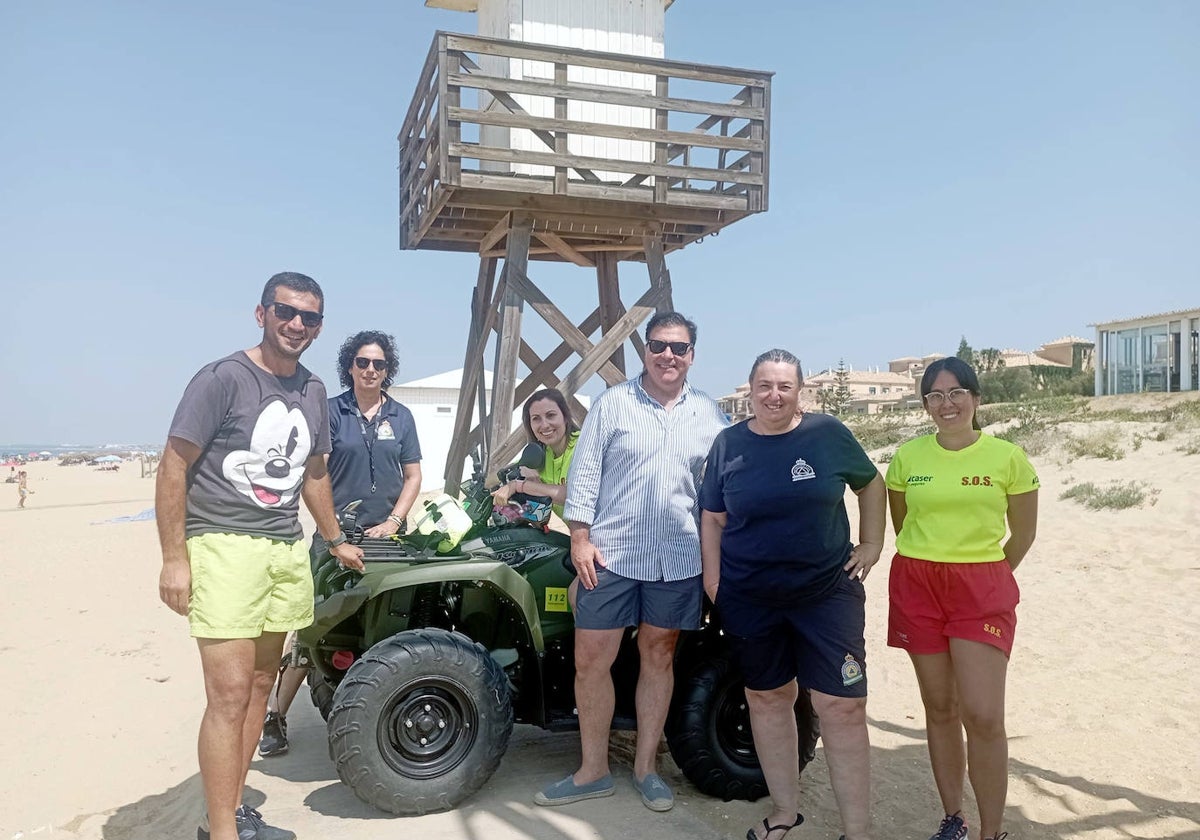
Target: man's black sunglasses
286, 313
679, 348
361, 363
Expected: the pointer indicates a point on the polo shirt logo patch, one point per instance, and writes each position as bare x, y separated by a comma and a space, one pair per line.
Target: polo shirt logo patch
802, 470
384, 432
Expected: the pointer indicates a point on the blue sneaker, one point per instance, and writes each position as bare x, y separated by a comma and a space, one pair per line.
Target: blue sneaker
250, 826
656, 795
953, 827
566, 791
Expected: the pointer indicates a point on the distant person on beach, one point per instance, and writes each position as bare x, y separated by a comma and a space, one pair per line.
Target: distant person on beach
375, 460
952, 594
247, 441
22, 488
635, 545
788, 584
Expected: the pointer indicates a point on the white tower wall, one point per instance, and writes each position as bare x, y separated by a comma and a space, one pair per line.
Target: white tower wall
629, 27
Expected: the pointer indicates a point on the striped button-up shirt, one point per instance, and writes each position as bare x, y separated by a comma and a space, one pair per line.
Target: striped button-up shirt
635, 478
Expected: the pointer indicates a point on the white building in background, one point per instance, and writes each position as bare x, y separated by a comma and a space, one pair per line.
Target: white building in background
433, 402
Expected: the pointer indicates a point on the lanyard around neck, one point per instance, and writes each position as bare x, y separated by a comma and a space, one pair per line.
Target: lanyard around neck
369, 437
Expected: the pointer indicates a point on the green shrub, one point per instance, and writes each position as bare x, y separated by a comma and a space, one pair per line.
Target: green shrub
1190, 447
1102, 443
1116, 496
1184, 414
993, 413
875, 431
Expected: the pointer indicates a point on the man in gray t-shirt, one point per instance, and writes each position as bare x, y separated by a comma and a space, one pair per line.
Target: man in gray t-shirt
248, 439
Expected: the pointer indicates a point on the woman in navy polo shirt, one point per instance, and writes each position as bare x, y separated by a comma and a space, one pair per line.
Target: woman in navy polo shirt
787, 581
376, 458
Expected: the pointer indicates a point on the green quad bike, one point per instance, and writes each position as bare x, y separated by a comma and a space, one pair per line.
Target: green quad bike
422, 664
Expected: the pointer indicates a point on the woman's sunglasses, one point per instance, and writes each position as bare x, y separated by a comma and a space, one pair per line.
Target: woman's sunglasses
286, 313
361, 363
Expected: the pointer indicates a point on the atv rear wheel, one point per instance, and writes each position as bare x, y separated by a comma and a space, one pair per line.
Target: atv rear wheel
709, 733
420, 722
321, 691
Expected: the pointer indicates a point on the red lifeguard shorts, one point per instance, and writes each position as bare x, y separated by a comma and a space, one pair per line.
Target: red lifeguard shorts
930, 603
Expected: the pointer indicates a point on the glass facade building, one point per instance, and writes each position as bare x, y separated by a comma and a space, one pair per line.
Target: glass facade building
1150, 353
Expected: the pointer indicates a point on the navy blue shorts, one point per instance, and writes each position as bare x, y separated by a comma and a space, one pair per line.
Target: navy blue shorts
820, 644
618, 602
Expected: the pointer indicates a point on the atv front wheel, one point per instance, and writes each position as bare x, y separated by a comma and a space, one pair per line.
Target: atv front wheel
709, 733
420, 722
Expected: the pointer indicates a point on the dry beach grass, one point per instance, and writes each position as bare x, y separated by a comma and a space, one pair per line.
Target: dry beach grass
103, 690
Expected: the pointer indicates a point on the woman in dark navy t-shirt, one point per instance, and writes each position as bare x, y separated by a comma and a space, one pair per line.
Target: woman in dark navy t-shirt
787, 582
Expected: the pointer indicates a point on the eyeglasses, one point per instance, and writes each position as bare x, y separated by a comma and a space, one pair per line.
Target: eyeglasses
284, 312
679, 348
955, 395
361, 362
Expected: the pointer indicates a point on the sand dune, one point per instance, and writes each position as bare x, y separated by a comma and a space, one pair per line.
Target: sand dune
103, 689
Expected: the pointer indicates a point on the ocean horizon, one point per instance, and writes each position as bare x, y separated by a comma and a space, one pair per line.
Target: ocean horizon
58, 449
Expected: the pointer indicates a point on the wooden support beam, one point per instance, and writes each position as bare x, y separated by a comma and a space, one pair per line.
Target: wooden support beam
508, 341
619, 332
660, 278
532, 360
472, 373
608, 288
561, 247
544, 372
496, 233
562, 325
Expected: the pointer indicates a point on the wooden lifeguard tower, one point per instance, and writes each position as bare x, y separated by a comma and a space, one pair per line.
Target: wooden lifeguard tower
517, 150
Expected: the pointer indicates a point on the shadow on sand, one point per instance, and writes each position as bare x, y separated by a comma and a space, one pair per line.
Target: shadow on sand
301, 791
1087, 808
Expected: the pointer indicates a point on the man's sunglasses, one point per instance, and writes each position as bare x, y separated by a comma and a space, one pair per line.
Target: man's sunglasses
361, 362
679, 348
286, 313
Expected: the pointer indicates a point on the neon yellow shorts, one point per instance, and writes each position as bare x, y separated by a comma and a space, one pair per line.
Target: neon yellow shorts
243, 586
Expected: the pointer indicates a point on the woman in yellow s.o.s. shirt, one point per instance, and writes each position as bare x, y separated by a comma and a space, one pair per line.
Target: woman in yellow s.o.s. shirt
952, 594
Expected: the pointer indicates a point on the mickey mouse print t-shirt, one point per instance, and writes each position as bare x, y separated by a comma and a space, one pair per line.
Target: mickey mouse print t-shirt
256, 431
787, 534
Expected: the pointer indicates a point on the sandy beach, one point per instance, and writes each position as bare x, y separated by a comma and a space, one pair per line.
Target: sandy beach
103, 690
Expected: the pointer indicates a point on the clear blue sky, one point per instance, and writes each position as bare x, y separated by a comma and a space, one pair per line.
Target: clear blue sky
1006, 171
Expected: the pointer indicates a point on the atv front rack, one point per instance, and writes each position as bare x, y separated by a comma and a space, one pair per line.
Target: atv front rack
411, 548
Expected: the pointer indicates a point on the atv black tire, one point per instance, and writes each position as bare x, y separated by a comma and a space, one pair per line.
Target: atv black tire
420, 722
709, 734
321, 691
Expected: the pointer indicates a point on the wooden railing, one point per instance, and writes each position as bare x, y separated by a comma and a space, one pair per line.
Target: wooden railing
491, 114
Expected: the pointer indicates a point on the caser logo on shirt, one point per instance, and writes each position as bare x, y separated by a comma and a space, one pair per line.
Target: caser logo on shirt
919, 479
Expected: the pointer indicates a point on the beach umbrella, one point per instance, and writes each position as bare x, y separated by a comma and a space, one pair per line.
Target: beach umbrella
107, 459
43, 452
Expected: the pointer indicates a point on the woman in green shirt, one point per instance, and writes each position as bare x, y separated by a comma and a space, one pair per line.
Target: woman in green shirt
547, 421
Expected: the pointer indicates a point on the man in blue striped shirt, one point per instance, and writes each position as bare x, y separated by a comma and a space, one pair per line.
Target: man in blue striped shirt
631, 507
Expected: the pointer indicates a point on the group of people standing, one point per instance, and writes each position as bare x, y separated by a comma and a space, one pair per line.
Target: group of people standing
665, 503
